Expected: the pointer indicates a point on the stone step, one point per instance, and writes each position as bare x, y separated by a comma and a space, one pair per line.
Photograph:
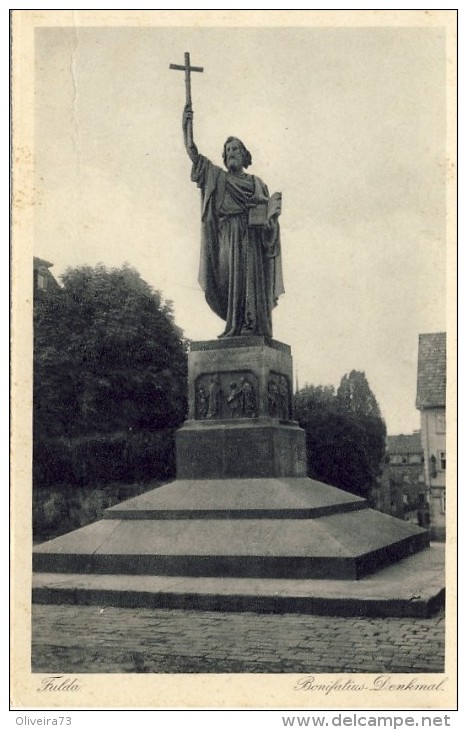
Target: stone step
346, 546
412, 587
275, 498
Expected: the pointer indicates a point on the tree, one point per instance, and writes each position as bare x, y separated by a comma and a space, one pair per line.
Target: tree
355, 397
107, 356
314, 399
345, 434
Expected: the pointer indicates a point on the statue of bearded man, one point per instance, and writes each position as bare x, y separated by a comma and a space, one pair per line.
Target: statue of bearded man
240, 262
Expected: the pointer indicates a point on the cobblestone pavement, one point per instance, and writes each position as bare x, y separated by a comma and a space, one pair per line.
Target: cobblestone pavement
72, 639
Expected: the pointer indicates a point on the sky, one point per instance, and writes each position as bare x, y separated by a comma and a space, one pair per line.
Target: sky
348, 123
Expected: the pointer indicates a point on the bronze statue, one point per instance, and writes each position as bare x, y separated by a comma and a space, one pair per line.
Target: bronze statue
240, 262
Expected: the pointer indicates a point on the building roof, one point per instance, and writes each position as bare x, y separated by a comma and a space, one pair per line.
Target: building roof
431, 375
404, 444
39, 263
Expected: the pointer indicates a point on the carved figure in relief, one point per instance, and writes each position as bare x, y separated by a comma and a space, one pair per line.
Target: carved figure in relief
284, 399
215, 398
247, 398
233, 399
273, 398
203, 403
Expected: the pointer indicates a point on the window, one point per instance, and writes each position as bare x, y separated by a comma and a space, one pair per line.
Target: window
41, 281
441, 423
442, 460
443, 502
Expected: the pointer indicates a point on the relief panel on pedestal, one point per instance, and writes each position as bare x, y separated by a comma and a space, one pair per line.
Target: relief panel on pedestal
279, 396
226, 395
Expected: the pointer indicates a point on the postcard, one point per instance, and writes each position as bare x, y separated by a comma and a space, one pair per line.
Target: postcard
273, 524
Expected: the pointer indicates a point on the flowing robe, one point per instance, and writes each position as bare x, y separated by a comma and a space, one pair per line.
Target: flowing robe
240, 265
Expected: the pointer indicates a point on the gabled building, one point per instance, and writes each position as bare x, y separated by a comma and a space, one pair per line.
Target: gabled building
405, 464
431, 402
401, 486
44, 280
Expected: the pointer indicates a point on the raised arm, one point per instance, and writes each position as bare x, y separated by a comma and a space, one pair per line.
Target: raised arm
187, 124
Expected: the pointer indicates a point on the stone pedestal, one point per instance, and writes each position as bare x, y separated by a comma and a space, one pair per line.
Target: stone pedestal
225, 450
242, 527
240, 412
257, 369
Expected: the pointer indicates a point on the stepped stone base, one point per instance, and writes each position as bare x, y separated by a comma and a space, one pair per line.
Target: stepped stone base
265, 528
242, 528
413, 587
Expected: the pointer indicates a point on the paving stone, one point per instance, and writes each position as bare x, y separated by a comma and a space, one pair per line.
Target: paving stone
80, 639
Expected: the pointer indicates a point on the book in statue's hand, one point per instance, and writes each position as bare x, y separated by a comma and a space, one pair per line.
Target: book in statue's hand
258, 215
